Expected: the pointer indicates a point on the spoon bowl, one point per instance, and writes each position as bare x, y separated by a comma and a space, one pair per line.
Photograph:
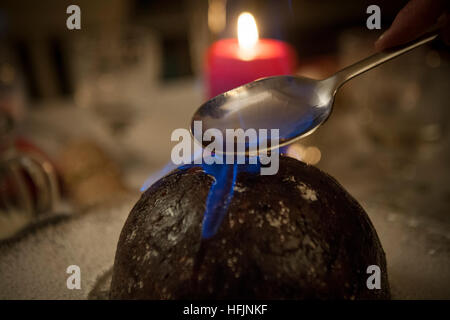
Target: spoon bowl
295, 106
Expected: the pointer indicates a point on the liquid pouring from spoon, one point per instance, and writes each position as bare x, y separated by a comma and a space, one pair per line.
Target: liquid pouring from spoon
296, 106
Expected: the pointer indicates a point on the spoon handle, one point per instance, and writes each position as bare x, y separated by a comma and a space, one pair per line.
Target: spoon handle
364, 65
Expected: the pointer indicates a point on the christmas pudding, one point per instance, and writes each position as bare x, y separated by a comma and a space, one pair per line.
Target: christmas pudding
294, 235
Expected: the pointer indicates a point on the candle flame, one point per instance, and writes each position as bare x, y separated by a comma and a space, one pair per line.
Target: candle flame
247, 32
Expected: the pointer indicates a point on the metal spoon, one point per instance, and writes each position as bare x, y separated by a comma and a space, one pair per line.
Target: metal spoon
296, 106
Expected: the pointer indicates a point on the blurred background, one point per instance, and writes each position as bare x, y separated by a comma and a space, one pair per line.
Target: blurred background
86, 117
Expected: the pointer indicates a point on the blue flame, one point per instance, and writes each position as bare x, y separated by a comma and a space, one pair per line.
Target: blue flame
219, 196
221, 193
222, 189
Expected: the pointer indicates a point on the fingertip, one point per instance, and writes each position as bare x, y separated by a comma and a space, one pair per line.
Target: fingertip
379, 43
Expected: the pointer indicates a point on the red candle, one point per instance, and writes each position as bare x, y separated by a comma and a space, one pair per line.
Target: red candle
234, 62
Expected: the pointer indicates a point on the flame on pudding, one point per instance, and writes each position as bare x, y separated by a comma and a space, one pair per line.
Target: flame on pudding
220, 193
247, 35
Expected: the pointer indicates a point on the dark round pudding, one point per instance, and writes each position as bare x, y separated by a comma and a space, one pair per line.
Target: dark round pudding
294, 235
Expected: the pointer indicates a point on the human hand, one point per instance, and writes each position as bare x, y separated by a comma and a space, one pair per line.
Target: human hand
415, 19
